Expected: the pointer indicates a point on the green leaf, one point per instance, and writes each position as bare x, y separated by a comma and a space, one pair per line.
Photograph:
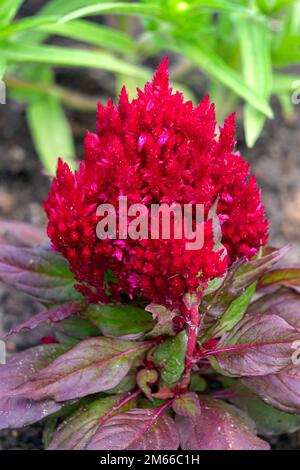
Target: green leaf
126, 385
233, 314
211, 63
8, 9
69, 57
283, 83
51, 132
92, 33
144, 378
254, 38
287, 107
226, 101
118, 320
77, 429
187, 405
239, 277
25, 25
269, 421
288, 276
137, 429
169, 356
220, 5
52, 421
198, 384
120, 8
220, 426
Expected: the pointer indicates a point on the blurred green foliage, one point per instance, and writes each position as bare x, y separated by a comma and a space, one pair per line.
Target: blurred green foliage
242, 47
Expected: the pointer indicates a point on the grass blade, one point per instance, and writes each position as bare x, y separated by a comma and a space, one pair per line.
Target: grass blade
119, 8
63, 7
2, 66
50, 132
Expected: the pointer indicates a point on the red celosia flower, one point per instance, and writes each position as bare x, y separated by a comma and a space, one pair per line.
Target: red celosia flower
154, 149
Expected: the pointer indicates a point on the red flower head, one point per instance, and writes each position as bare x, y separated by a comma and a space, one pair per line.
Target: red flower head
155, 149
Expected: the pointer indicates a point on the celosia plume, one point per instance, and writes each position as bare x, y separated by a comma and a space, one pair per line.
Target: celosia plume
155, 149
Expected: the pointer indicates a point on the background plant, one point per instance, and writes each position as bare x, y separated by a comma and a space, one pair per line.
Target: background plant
242, 47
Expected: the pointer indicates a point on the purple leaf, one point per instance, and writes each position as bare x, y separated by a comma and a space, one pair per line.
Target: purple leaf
19, 411
39, 271
138, 429
21, 234
285, 303
258, 345
16, 412
252, 271
76, 431
280, 390
219, 427
187, 405
54, 315
91, 366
